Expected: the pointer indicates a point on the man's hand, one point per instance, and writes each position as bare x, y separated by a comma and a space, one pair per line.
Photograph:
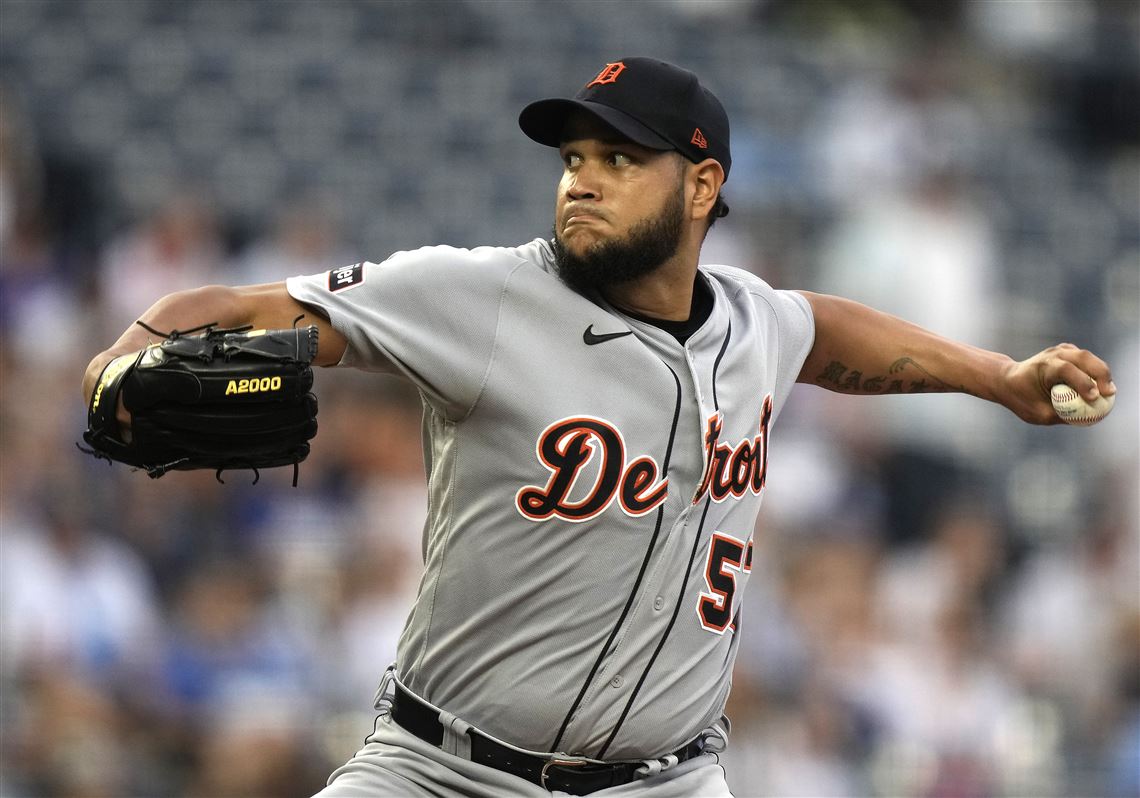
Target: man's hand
1024, 387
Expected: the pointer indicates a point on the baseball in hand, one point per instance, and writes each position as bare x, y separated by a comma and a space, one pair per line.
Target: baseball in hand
1075, 410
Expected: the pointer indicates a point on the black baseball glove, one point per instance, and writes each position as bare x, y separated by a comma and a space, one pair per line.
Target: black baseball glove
221, 400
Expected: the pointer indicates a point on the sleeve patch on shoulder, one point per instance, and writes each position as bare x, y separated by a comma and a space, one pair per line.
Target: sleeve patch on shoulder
346, 277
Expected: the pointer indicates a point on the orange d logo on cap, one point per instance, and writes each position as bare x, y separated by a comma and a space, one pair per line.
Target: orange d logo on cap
609, 74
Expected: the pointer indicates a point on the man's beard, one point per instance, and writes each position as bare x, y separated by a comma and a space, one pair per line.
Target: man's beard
642, 251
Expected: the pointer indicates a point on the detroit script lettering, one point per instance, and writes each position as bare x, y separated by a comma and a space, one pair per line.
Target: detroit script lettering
565, 448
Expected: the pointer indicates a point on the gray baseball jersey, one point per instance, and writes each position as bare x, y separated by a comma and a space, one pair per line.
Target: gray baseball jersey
593, 488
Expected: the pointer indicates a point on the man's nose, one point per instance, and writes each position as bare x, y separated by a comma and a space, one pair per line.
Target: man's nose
583, 183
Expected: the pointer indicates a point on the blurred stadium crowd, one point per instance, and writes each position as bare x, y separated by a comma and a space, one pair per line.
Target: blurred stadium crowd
948, 601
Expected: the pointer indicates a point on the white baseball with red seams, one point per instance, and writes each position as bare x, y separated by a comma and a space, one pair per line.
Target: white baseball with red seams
1073, 409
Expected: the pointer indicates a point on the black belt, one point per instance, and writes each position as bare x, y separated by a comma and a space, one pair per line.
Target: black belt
551, 773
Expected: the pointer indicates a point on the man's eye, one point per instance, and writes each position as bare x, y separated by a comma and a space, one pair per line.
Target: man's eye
620, 159
571, 159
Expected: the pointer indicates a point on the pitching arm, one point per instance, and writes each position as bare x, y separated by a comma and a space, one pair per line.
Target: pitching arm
859, 350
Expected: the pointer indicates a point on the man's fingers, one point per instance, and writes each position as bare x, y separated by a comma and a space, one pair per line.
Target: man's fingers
1083, 371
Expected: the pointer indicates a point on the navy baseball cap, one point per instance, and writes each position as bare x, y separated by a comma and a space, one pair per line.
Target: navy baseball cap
650, 102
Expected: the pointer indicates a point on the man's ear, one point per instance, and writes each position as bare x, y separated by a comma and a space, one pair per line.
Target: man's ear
706, 179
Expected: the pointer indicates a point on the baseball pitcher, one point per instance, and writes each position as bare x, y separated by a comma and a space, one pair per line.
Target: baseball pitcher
598, 412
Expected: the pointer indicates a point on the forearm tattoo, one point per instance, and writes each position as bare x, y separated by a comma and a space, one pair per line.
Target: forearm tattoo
905, 375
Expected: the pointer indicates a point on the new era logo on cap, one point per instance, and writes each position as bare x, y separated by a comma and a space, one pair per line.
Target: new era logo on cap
650, 102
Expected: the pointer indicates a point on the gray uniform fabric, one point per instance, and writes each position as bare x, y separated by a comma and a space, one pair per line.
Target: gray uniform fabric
593, 488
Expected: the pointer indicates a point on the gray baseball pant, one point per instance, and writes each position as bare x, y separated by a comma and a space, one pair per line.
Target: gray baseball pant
394, 763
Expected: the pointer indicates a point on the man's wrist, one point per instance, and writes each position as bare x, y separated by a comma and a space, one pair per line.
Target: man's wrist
997, 376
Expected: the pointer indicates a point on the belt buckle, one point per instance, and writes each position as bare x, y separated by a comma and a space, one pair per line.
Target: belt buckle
558, 761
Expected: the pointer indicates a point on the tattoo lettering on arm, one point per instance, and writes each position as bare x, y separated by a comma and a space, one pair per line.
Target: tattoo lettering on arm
905, 375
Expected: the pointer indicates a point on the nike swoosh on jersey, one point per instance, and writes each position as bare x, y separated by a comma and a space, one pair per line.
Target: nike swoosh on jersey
592, 338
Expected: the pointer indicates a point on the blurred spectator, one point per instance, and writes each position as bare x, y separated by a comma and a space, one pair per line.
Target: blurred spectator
926, 255
947, 698
80, 625
1123, 750
882, 134
1065, 602
21, 189
896, 154
238, 759
379, 586
72, 738
305, 239
36, 292
804, 747
229, 651
72, 597
179, 246
959, 566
